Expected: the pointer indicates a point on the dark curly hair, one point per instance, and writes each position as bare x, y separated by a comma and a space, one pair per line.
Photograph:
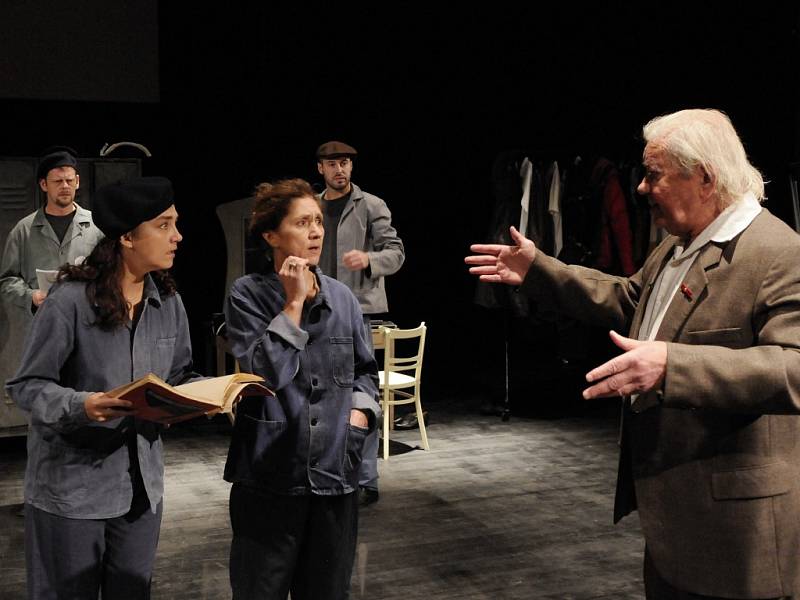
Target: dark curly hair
272, 202
101, 271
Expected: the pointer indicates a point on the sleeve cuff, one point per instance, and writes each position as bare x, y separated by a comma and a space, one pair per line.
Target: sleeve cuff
373, 257
285, 328
77, 410
364, 402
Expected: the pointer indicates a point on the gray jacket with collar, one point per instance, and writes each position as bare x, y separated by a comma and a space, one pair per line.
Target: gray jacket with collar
366, 225
32, 244
79, 468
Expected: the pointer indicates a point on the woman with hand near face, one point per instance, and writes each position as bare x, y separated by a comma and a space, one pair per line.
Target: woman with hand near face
294, 458
95, 475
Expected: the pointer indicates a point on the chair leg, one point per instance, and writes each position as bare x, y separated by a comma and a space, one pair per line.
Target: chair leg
421, 421
386, 411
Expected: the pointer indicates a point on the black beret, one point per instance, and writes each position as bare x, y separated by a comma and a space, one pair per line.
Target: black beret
335, 150
57, 156
119, 207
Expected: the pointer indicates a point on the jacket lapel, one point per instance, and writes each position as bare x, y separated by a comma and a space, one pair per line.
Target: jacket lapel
690, 292
355, 196
81, 221
653, 268
43, 224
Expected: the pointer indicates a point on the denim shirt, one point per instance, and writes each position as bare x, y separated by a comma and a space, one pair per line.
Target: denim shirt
76, 467
301, 441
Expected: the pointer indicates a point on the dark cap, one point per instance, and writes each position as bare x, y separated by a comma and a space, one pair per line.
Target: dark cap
119, 207
57, 156
335, 150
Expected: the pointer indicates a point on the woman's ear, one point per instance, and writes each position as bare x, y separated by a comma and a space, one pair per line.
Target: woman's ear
271, 238
126, 240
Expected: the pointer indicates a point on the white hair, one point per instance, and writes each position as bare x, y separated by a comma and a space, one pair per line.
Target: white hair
706, 138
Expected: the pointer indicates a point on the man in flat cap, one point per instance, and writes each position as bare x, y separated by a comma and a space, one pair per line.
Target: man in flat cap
360, 248
59, 232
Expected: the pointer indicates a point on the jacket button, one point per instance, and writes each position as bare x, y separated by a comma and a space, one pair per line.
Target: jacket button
314, 381
314, 421
314, 462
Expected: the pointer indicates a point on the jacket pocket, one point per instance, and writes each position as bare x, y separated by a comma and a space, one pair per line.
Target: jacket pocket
342, 360
753, 482
354, 452
728, 337
256, 450
61, 472
161, 361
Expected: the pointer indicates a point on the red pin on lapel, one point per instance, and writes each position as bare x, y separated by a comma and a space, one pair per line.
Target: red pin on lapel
686, 291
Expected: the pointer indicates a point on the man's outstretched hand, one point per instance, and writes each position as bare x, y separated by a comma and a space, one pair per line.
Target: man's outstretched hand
498, 263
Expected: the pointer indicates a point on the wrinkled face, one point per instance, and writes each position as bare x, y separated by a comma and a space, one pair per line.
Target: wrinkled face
152, 245
300, 232
679, 202
60, 185
336, 172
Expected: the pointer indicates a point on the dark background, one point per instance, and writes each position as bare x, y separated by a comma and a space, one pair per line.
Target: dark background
230, 95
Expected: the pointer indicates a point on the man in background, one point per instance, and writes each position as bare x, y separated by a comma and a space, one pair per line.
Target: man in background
57, 233
360, 248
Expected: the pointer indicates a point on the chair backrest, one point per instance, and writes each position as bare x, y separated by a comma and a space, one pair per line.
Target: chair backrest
408, 361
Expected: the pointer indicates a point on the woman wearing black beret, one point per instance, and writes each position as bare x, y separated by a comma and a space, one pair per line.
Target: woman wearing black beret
94, 478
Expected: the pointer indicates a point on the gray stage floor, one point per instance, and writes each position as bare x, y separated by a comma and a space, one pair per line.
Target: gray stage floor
518, 509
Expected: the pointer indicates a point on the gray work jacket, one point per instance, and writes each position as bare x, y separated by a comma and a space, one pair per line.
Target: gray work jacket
32, 244
366, 225
79, 468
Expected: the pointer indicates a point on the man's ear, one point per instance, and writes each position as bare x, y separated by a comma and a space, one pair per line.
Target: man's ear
77, 181
708, 182
319, 168
43, 185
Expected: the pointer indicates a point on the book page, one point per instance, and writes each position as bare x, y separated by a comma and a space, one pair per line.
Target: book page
215, 390
45, 278
117, 392
240, 380
211, 390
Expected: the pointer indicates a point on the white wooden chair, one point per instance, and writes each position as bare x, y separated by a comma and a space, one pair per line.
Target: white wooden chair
401, 377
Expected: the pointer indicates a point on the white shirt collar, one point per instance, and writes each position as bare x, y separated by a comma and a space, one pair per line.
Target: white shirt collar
730, 223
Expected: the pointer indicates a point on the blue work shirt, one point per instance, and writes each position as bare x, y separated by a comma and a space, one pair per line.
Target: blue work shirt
301, 441
76, 467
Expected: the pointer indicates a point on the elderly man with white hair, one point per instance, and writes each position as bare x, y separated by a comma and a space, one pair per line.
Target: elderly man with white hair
709, 371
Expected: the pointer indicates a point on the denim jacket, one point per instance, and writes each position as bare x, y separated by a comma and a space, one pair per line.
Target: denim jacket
76, 467
300, 441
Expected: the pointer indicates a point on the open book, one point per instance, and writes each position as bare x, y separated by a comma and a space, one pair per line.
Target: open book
155, 400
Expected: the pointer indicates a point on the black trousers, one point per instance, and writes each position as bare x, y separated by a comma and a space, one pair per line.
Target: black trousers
656, 588
302, 544
78, 558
